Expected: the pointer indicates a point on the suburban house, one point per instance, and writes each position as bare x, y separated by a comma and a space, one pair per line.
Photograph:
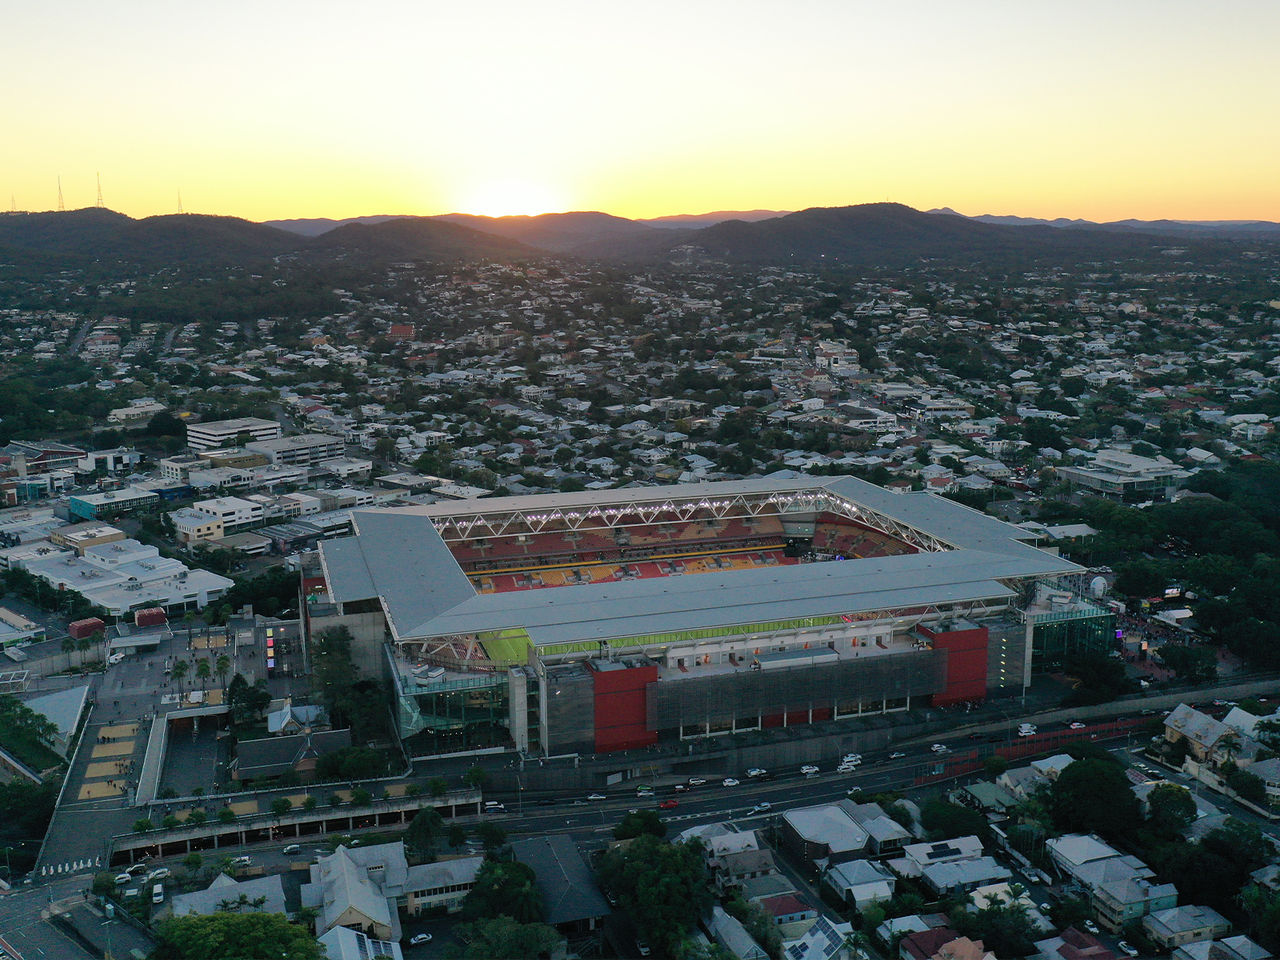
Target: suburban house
1179, 925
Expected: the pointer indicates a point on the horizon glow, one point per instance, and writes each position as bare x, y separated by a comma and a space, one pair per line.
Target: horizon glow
282, 108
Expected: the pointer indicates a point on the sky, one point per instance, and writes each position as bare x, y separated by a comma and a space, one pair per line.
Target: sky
273, 109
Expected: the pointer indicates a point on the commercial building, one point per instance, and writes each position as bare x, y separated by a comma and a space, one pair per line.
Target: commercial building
1123, 475
111, 503
229, 433
127, 575
304, 448
603, 621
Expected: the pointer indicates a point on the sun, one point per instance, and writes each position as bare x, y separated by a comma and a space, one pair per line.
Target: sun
511, 198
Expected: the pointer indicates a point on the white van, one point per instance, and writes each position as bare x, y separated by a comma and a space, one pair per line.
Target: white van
157, 893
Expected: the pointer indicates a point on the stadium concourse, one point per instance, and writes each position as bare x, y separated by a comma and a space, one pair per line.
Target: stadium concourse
601, 621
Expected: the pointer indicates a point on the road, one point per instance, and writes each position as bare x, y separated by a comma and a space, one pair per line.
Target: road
24, 926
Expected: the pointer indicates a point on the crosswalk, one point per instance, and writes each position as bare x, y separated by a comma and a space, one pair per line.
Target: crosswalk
69, 867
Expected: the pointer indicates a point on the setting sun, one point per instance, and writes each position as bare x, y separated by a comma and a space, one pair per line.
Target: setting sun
511, 198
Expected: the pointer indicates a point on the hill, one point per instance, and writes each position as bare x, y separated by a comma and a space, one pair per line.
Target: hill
416, 238
685, 220
315, 226
104, 235
1207, 229
891, 234
581, 233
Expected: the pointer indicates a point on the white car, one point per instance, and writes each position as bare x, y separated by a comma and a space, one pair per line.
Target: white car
161, 874
122, 879
1091, 926
938, 748
846, 768
728, 782
1124, 947
808, 769
420, 938
756, 772
114, 659
897, 755
854, 758
764, 806
241, 861
1075, 725
493, 806
595, 796
696, 781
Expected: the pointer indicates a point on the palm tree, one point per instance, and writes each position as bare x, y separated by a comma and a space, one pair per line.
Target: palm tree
202, 671
1229, 745
223, 666
68, 647
180, 668
83, 644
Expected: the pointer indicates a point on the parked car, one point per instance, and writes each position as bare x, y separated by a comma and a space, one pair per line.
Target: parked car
122, 879
1091, 927
161, 873
157, 893
241, 861
643, 948
137, 869
1126, 948
728, 782
419, 938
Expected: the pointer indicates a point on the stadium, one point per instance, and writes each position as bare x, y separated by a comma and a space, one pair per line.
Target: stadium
602, 621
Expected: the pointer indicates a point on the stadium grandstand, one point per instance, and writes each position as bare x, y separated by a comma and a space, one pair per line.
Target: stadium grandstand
600, 621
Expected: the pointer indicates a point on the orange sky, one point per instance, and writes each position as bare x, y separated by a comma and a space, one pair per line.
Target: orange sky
294, 109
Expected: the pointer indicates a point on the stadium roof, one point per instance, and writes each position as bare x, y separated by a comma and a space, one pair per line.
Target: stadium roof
399, 557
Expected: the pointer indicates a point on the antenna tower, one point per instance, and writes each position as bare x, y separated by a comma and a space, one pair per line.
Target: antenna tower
61, 206
180, 210
99, 191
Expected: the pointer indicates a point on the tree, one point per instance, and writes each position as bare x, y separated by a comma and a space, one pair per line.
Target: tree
504, 890
1212, 870
639, 823
1228, 746
423, 832
226, 815
1171, 809
280, 806
438, 787
143, 826
234, 936
476, 777
457, 835
192, 861
1004, 928
662, 886
491, 835
180, 668
504, 937
1094, 796
945, 819
203, 672
223, 666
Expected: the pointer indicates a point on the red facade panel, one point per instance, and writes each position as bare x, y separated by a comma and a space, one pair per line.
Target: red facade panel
620, 708
966, 664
